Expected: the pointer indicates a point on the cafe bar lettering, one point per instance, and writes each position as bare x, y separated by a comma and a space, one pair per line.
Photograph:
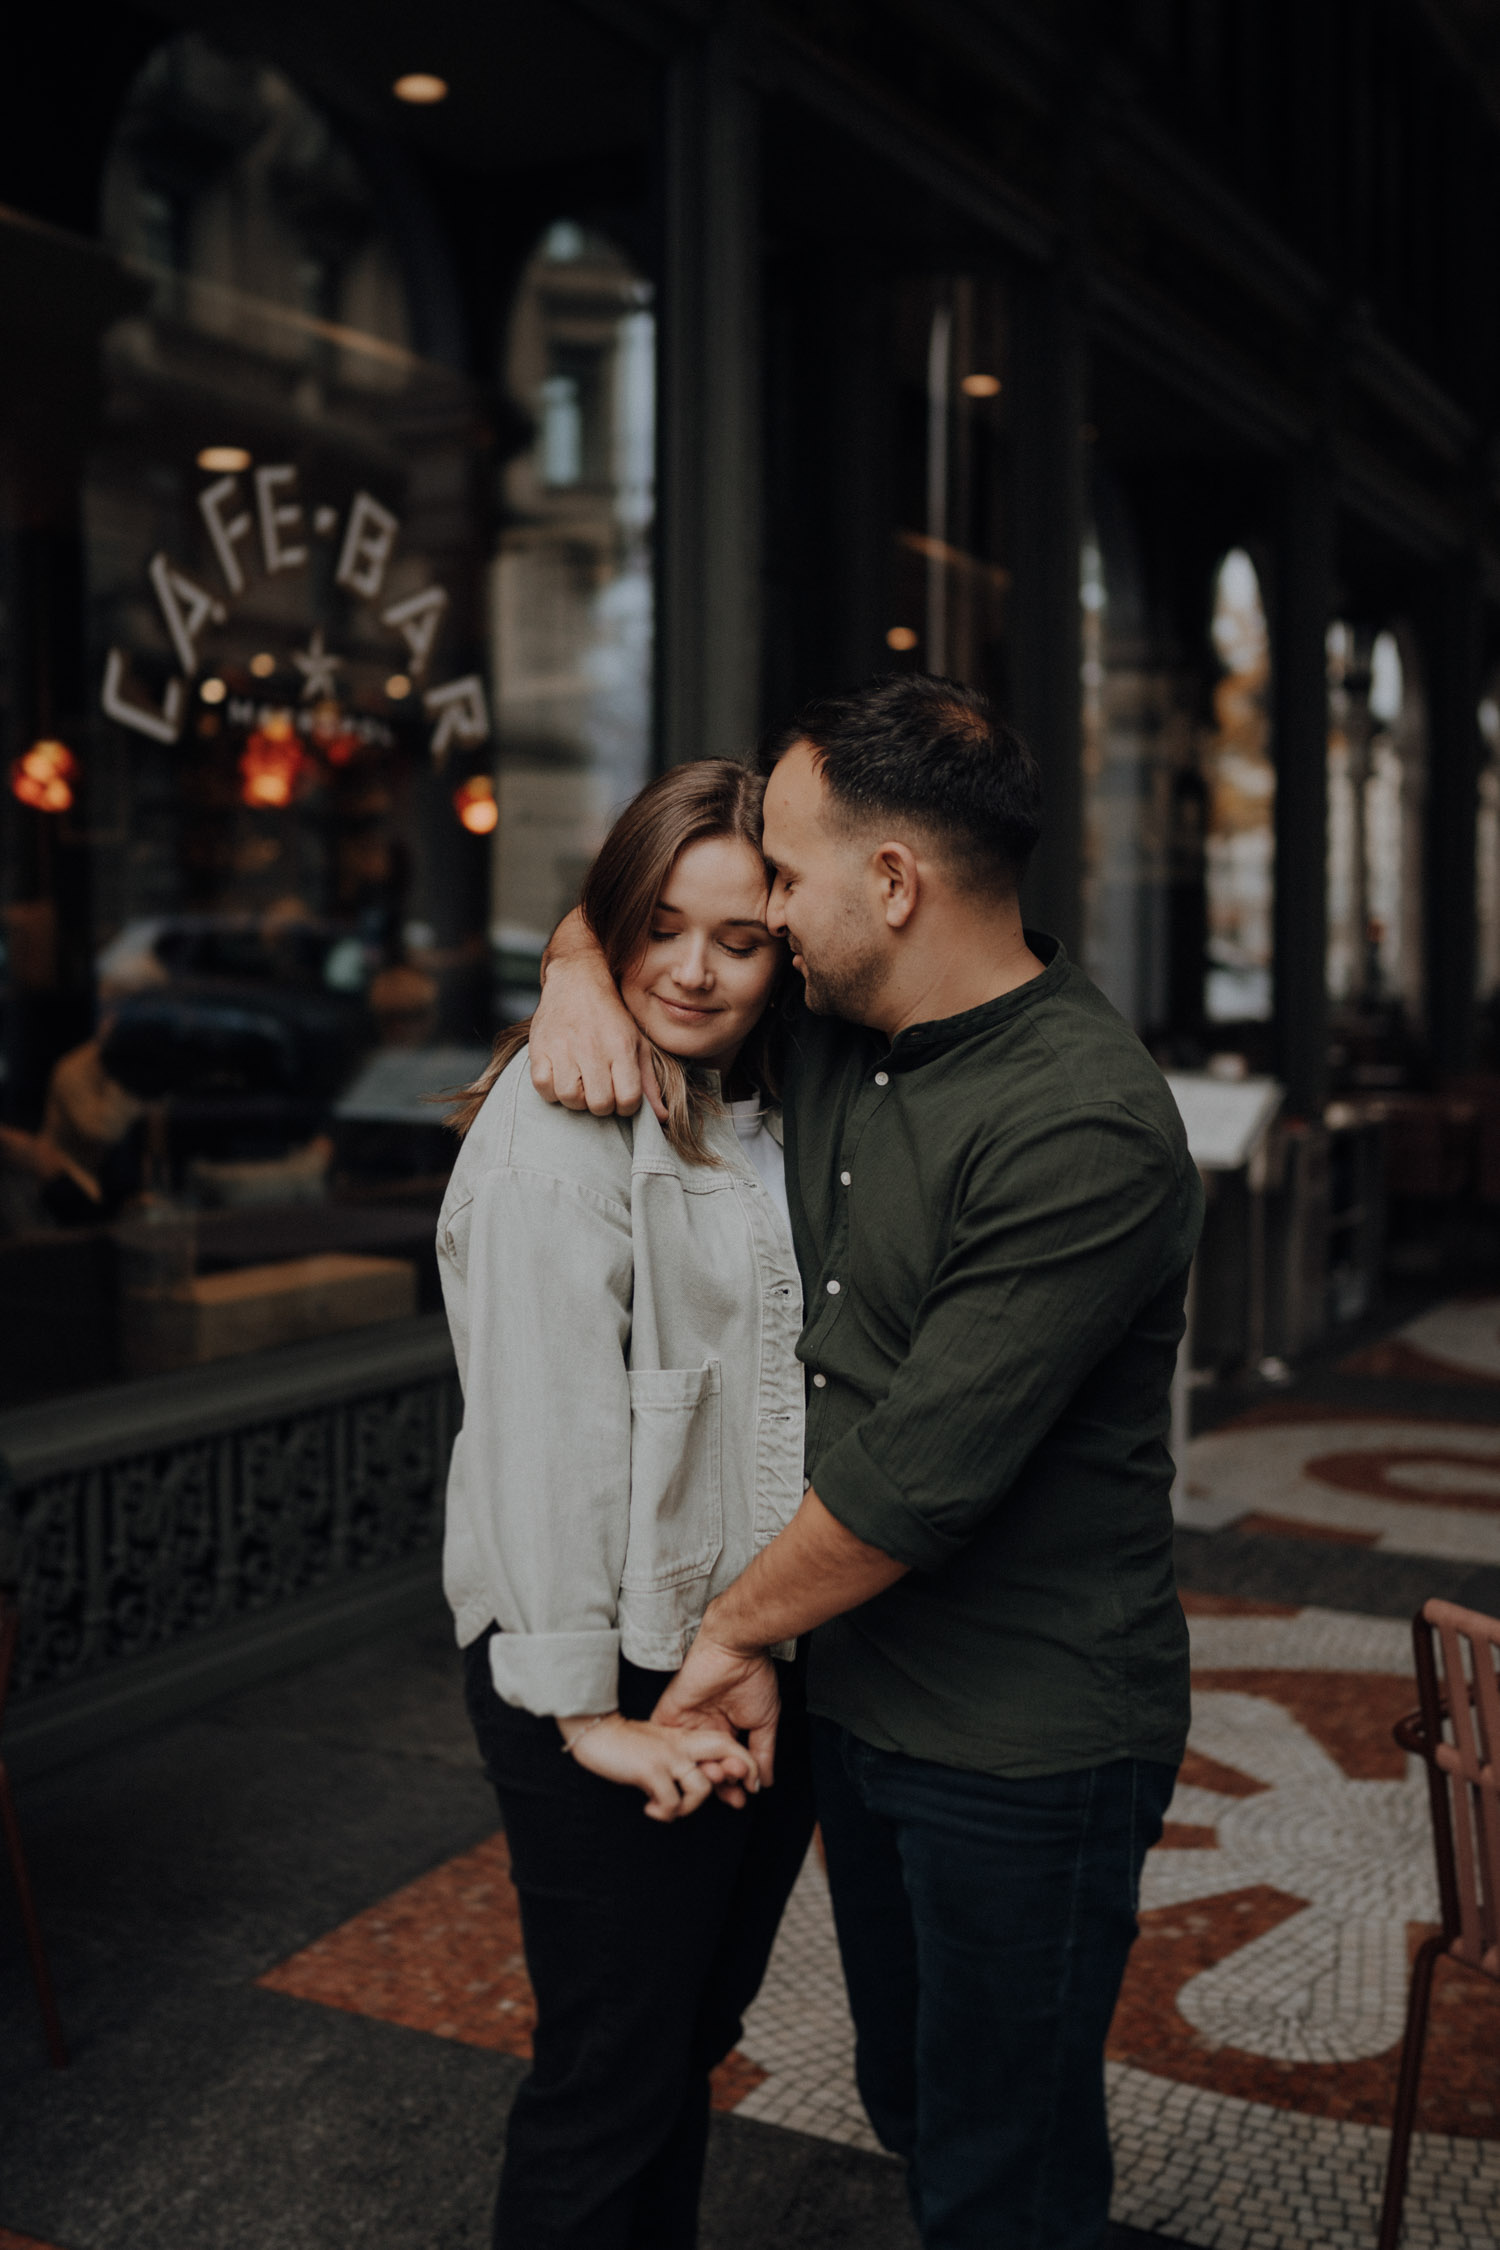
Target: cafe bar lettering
270, 528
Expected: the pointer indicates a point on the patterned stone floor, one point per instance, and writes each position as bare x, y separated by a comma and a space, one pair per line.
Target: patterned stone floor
1253, 2054
1254, 2049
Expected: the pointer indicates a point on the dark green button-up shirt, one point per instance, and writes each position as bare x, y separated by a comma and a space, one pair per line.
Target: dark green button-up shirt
994, 1217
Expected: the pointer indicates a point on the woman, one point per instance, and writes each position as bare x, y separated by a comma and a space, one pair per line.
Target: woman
625, 1307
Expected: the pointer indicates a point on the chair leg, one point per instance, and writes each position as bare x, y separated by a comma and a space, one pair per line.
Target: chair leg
51, 2021
1406, 2090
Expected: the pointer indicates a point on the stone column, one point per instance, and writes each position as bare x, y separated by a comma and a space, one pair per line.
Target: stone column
1301, 610
1454, 646
710, 528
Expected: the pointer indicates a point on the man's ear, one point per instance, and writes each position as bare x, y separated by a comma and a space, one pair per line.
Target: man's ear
899, 881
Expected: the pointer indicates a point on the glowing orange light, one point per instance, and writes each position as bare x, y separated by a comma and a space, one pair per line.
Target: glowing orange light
332, 737
474, 802
981, 386
421, 87
273, 765
901, 637
44, 775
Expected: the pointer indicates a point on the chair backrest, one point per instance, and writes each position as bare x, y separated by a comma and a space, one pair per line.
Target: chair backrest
1458, 1674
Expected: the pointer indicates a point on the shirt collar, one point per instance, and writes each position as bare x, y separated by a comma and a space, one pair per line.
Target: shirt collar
920, 1042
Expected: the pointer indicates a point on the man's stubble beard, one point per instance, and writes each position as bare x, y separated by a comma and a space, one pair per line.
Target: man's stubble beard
847, 988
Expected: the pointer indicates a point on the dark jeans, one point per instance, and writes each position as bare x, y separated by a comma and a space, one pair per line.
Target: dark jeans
984, 1927
645, 1944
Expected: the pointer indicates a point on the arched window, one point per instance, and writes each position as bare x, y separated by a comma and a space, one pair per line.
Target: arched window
572, 614
286, 546
1487, 857
1240, 840
1376, 787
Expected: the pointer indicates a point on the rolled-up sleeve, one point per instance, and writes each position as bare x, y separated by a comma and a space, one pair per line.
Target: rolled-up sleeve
1051, 1254
546, 1433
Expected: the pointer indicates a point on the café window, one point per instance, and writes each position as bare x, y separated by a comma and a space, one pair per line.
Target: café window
1376, 790
1487, 870
1240, 784
303, 727
572, 611
948, 583
1142, 890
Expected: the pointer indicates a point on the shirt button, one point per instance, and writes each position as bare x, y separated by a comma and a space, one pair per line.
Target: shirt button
833, 1288
845, 1177
882, 1078
820, 1382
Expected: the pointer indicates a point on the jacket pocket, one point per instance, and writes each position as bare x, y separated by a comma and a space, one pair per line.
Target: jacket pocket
676, 1488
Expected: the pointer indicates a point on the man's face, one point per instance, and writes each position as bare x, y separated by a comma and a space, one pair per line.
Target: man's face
824, 897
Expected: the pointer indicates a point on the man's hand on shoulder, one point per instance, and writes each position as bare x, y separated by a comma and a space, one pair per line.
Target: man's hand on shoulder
586, 1049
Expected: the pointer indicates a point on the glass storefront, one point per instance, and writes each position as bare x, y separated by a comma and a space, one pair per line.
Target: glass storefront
328, 580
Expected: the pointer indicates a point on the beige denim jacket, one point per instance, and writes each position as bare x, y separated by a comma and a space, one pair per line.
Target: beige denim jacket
625, 1326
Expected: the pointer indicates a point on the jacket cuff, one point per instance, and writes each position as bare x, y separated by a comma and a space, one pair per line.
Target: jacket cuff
557, 1675
854, 1488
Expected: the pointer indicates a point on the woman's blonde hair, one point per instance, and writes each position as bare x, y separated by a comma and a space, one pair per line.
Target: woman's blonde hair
690, 804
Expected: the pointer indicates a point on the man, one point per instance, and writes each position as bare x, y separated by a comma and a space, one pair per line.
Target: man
994, 1213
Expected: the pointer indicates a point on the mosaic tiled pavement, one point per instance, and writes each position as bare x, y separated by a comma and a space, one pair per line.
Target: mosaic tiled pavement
1254, 2051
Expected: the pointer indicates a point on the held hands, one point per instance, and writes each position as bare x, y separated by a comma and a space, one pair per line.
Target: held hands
733, 1690
677, 1767
586, 1049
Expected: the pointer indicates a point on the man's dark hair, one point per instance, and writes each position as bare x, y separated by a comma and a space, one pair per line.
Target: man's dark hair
934, 752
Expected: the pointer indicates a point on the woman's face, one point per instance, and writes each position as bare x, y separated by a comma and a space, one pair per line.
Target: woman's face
702, 982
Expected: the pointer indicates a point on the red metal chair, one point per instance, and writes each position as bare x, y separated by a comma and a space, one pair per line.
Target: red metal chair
51, 2022
1456, 1730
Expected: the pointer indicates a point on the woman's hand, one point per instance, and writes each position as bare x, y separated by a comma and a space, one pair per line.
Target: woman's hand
663, 1761
586, 1049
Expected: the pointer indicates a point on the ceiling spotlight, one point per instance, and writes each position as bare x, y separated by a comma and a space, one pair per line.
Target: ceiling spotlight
901, 638
263, 665
224, 460
420, 86
397, 686
980, 386
213, 691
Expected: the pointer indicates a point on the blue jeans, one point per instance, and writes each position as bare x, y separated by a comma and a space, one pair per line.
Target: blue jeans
984, 1927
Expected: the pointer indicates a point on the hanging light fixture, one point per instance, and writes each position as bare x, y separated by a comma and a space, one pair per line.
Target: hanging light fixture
474, 802
43, 777
273, 765
421, 87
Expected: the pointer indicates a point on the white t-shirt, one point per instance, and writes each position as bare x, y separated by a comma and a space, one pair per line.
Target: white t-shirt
762, 1149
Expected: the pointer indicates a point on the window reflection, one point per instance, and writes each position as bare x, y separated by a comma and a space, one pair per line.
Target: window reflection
572, 608
1487, 860
1240, 839
1376, 786
949, 584
1142, 792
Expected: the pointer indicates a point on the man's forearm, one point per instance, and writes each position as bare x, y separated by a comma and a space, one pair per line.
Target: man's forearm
573, 943
812, 1571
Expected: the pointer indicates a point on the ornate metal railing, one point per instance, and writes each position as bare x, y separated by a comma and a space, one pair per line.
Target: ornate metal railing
148, 1516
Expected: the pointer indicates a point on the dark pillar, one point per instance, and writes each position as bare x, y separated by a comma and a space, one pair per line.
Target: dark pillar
1051, 378
1303, 606
709, 645
1454, 649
